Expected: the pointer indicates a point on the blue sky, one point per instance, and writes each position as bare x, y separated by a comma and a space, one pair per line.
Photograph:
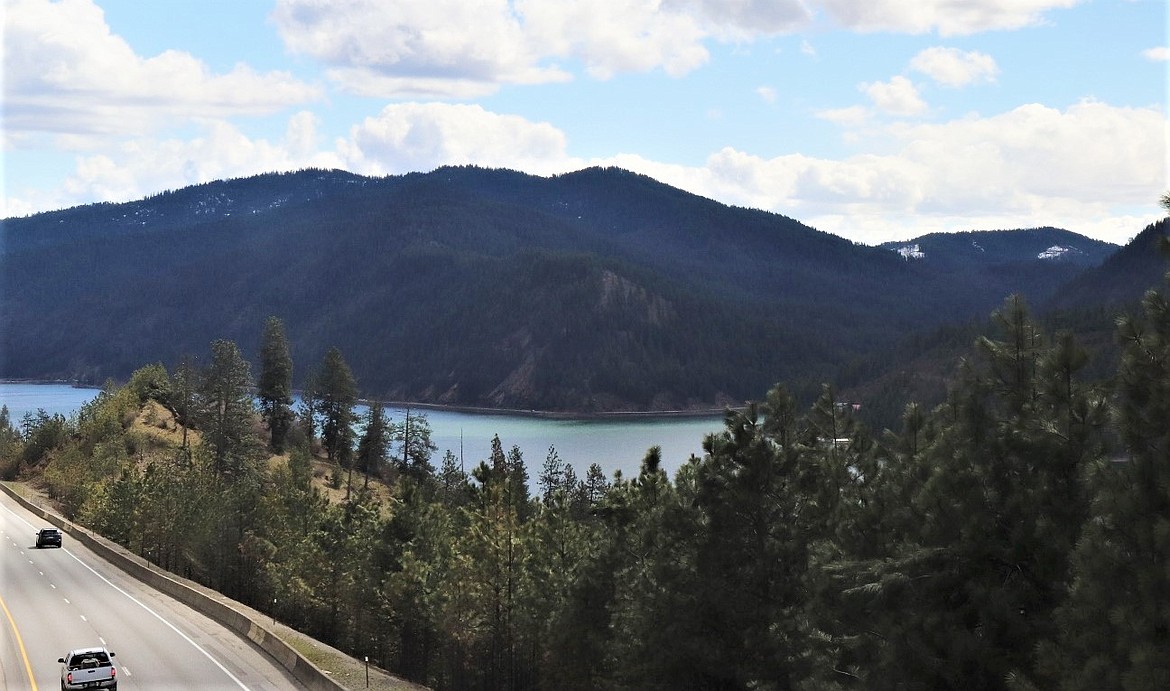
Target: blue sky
871, 119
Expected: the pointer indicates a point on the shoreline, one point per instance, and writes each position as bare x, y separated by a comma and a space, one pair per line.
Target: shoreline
616, 415
561, 415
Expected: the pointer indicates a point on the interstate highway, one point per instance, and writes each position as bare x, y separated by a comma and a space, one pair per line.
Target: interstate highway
57, 599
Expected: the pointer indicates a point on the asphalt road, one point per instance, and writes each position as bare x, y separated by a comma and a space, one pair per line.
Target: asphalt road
53, 599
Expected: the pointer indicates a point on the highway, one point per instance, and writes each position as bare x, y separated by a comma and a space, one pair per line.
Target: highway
53, 599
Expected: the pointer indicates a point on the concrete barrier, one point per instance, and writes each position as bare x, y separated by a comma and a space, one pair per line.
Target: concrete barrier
217, 608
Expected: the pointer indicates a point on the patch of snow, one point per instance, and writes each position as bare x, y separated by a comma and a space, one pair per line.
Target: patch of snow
1056, 252
909, 252
976, 246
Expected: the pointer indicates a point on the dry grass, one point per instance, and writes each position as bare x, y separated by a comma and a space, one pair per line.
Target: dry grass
158, 428
158, 425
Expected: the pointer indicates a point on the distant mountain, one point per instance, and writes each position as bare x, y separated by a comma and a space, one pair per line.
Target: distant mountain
1034, 262
978, 249
595, 290
1124, 276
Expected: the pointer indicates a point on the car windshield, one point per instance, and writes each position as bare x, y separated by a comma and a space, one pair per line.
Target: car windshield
49, 531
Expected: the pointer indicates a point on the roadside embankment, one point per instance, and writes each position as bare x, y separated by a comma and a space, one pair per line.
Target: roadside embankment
327, 670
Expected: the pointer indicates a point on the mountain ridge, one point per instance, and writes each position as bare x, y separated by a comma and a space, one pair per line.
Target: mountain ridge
589, 291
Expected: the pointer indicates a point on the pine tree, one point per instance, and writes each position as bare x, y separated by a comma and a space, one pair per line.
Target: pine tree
415, 446
977, 561
758, 493
595, 485
225, 407
274, 387
552, 476
336, 395
184, 401
1115, 626
374, 445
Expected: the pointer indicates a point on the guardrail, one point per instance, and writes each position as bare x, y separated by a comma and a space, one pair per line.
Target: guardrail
218, 608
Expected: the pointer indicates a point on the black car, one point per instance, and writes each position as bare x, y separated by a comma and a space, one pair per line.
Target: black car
48, 536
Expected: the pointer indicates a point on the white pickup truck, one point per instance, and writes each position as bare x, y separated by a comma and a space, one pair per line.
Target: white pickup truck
88, 668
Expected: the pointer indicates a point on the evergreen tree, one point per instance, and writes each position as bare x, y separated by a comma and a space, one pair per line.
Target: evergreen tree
650, 631
1115, 626
552, 476
225, 407
9, 445
336, 396
762, 511
374, 445
968, 595
184, 401
517, 484
595, 485
492, 553
274, 387
454, 488
415, 446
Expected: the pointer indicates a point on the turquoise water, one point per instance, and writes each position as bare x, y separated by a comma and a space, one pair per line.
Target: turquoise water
612, 444
52, 398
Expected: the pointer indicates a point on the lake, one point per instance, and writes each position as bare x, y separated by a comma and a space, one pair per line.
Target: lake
612, 444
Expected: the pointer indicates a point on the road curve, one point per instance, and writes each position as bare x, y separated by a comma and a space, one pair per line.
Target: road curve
55, 599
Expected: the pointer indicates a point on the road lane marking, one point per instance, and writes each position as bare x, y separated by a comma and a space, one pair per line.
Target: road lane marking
20, 644
158, 616
136, 601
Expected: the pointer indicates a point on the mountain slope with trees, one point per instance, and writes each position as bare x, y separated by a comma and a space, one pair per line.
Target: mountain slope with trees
1013, 537
595, 290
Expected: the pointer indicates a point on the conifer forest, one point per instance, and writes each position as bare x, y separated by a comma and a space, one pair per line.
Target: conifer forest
1015, 536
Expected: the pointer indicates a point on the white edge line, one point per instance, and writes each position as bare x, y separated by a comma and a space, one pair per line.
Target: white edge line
136, 601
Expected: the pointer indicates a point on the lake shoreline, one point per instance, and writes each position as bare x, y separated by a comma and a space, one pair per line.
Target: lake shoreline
569, 416
614, 441
563, 415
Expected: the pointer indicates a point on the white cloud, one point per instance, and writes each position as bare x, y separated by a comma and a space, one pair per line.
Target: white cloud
1092, 168
853, 116
1159, 54
401, 138
422, 136
469, 48
621, 36
946, 17
953, 67
462, 48
64, 72
898, 96
452, 47
142, 166
739, 19
767, 93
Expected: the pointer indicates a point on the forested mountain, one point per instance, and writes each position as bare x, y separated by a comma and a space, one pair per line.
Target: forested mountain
594, 290
973, 250
1123, 277
1034, 261
1012, 538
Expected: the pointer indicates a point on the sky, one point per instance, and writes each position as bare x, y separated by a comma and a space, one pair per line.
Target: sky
874, 120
